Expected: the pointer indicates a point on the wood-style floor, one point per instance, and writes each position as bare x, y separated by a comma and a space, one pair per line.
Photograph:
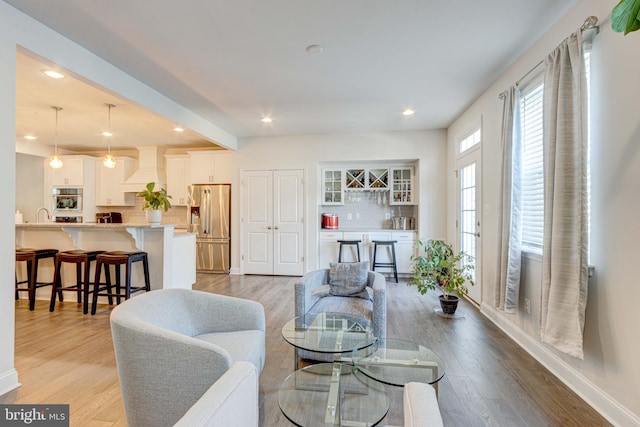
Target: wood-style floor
67, 357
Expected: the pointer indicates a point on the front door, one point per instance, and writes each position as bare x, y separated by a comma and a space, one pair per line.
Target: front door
469, 218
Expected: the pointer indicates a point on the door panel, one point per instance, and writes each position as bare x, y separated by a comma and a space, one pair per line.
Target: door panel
288, 225
469, 220
258, 219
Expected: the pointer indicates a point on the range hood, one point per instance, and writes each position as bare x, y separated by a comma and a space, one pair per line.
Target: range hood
150, 169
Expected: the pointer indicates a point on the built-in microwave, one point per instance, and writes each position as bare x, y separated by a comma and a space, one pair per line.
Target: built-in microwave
66, 200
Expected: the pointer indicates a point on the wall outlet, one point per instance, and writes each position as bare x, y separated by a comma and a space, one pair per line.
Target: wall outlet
357, 215
527, 305
349, 216
387, 216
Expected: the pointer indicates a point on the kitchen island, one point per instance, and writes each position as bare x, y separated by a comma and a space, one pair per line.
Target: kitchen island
171, 252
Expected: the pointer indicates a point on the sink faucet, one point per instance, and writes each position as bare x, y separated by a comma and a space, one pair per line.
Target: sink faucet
38, 214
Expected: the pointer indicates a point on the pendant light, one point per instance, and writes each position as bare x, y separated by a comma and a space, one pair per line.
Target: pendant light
54, 161
109, 161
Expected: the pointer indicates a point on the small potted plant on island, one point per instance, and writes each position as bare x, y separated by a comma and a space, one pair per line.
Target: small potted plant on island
438, 267
154, 203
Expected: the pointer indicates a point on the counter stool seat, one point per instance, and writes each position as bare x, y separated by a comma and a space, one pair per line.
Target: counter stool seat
118, 258
82, 286
380, 264
349, 243
32, 257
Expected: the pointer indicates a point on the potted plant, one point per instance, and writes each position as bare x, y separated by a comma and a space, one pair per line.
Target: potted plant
439, 268
154, 202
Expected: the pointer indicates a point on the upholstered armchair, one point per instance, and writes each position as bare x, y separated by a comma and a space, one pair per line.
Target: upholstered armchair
172, 345
312, 296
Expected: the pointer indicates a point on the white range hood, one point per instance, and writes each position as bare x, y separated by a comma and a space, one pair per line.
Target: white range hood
150, 169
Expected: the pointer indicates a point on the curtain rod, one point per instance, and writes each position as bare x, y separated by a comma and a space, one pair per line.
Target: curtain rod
591, 23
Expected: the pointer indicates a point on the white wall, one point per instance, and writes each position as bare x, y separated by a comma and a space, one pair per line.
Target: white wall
608, 377
29, 186
308, 151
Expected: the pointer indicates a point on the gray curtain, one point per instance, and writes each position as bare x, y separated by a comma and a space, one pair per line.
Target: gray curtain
510, 206
565, 251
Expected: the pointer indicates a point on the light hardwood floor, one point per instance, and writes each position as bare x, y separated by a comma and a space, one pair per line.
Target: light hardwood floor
67, 357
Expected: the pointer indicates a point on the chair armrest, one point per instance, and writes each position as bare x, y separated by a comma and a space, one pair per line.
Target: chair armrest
232, 400
378, 283
421, 406
305, 286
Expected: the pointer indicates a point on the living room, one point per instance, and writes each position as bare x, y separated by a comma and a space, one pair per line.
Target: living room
606, 378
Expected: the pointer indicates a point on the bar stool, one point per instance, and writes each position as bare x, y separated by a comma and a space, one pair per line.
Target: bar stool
25, 254
82, 287
118, 258
347, 243
391, 264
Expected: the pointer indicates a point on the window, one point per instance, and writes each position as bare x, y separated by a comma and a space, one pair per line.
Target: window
531, 116
473, 139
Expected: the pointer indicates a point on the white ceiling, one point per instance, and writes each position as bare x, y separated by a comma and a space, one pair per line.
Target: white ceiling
233, 62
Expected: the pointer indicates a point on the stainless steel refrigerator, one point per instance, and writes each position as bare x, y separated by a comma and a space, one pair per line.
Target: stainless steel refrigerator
209, 218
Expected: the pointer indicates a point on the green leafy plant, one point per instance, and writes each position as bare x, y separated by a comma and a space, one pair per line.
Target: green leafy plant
438, 267
625, 17
154, 200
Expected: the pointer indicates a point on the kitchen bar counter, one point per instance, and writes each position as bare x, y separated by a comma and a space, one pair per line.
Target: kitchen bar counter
171, 252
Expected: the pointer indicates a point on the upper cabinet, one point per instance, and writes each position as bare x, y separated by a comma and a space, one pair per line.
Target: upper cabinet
378, 178
355, 179
71, 172
109, 182
210, 167
332, 187
178, 178
402, 190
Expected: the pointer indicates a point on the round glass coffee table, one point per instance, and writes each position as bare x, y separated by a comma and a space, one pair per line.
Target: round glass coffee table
334, 333
329, 394
397, 362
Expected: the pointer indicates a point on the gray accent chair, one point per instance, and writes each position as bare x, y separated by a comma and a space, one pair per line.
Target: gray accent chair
375, 310
172, 345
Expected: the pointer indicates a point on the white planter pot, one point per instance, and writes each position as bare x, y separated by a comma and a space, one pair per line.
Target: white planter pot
154, 216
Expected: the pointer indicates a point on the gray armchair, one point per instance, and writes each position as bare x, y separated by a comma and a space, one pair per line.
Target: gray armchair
308, 300
172, 345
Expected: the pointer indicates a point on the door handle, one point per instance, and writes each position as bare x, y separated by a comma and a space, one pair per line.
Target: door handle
269, 227
276, 227
477, 234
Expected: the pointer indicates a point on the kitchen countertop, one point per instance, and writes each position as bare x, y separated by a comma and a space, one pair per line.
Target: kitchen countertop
358, 230
94, 225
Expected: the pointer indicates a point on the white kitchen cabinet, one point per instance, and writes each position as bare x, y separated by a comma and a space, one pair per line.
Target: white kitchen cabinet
109, 183
328, 248
210, 167
402, 186
332, 187
405, 248
178, 178
70, 174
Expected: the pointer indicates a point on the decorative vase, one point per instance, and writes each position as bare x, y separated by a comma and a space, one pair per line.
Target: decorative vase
154, 216
449, 305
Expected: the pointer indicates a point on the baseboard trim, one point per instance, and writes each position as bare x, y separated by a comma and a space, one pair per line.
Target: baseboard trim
9, 381
599, 400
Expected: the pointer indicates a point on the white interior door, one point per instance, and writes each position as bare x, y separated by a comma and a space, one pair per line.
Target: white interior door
273, 220
469, 215
258, 220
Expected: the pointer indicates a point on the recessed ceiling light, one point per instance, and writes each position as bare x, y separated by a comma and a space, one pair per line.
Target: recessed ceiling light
178, 129
314, 49
267, 120
408, 112
30, 137
107, 133
53, 74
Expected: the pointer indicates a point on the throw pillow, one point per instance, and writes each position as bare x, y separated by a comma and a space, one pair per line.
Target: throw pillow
349, 279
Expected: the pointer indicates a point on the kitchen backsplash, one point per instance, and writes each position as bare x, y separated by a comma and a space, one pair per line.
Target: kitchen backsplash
135, 214
366, 212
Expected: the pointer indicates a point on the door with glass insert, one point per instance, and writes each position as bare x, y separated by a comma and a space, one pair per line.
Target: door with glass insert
469, 218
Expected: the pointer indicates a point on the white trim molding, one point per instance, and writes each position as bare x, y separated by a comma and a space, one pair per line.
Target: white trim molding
9, 381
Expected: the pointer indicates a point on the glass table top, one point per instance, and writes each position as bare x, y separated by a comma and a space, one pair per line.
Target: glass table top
397, 362
335, 333
328, 394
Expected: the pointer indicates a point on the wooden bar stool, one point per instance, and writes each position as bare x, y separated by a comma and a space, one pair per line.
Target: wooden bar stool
391, 264
118, 258
349, 243
25, 254
82, 286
